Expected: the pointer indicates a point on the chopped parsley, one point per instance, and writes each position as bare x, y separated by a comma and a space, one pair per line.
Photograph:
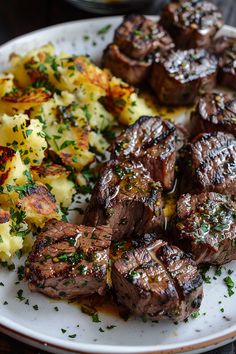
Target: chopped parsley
230, 285
104, 30
20, 295
195, 314
95, 318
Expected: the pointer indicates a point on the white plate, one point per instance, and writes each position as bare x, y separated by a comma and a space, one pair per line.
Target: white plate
42, 328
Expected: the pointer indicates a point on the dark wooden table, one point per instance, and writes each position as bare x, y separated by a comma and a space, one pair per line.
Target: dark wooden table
19, 17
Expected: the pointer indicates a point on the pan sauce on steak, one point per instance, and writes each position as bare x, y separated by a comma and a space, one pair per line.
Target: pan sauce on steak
69, 260
210, 164
177, 78
206, 227
158, 281
126, 198
138, 36
214, 112
151, 141
193, 23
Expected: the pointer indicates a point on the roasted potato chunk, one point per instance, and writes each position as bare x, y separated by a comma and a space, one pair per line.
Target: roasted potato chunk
55, 177
12, 173
67, 131
6, 84
27, 136
38, 204
123, 102
9, 243
18, 101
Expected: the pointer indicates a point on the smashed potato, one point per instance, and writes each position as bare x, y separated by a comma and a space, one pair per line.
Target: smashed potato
38, 204
55, 177
27, 136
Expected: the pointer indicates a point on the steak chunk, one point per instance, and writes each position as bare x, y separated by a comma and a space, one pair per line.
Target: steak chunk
225, 48
132, 53
215, 112
158, 281
138, 36
206, 227
151, 141
210, 164
192, 24
178, 77
127, 199
130, 70
69, 260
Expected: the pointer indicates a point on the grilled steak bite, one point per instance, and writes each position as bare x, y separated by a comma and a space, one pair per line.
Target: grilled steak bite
158, 281
206, 227
193, 23
132, 53
151, 141
130, 70
69, 260
225, 48
126, 198
209, 164
138, 36
214, 112
178, 77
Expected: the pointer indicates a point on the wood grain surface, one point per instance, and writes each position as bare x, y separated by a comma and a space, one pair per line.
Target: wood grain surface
18, 17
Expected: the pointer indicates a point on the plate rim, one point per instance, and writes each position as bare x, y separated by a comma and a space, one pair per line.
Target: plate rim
30, 336
72, 347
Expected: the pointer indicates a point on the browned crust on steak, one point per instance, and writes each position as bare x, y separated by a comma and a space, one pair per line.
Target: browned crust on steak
158, 282
126, 198
69, 260
130, 70
138, 36
192, 24
206, 227
177, 78
151, 141
225, 48
214, 112
209, 164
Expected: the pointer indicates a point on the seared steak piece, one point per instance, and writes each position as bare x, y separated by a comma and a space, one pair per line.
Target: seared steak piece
225, 48
158, 281
69, 260
192, 24
132, 53
126, 198
214, 112
138, 36
151, 141
210, 164
178, 77
206, 227
130, 70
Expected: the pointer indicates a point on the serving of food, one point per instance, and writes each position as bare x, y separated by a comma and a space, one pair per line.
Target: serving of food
118, 183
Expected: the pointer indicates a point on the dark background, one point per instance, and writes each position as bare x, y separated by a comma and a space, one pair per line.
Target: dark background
21, 16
